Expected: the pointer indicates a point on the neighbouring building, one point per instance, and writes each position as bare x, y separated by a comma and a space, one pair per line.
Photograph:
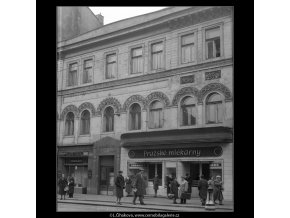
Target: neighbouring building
153, 91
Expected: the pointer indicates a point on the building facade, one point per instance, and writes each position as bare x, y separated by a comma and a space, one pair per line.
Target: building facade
154, 92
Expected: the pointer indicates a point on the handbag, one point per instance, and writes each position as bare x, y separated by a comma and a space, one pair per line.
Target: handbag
66, 188
170, 195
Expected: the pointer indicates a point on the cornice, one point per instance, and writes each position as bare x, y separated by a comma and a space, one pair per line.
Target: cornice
146, 77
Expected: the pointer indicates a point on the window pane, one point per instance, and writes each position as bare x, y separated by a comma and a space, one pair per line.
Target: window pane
111, 58
209, 49
212, 33
187, 39
137, 52
73, 67
88, 63
220, 112
184, 116
109, 119
211, 113
217, 47
151, 171
157, 47
156, 105
214, 98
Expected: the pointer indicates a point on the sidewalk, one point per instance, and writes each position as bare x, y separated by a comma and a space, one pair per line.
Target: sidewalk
149, 200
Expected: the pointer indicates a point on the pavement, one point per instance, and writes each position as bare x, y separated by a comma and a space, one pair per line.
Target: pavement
160, 203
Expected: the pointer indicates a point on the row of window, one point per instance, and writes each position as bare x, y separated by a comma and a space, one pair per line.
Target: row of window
188, 113
157, 57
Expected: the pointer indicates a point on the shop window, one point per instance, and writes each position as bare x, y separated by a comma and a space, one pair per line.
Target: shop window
214, 109
157, 55
85, 123
135, 117
188, 112
109, 119
153, 170
187, 48
87, 71
111, 66
73, 74
69, 124
156, 115
212, 41
137, 60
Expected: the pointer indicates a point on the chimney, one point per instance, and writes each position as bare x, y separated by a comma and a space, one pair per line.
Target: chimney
100, 19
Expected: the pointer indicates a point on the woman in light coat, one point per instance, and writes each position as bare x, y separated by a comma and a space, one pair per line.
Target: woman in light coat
183, 190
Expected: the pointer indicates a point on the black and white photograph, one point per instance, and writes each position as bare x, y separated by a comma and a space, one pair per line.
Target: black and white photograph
145, 109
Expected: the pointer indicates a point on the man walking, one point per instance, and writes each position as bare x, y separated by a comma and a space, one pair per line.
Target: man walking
120, 185
155, 184
202, 187
139, 187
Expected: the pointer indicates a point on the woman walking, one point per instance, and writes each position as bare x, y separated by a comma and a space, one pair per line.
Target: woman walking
183, 190
128, 182
174, 189
218, 188
120, 185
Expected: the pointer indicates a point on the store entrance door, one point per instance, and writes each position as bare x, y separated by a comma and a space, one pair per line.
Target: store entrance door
107, 175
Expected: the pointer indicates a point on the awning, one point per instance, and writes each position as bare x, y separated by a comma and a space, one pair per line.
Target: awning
218, 134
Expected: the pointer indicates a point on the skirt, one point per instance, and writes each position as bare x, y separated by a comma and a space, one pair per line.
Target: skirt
119, 192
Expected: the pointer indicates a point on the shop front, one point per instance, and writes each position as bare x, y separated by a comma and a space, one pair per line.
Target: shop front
177, 153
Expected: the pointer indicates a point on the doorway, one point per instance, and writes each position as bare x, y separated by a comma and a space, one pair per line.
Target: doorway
107, 175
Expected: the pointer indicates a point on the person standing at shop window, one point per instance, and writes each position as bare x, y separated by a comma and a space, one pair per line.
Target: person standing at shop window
128, 182
62, 183
120, 185
202, 188
174, 189
155, 184
218, 188
183, 190
71, 185
139, 187
189, 180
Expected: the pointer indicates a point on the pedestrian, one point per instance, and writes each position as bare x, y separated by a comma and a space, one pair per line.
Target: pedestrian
189, 180
120, 185
168, 181
218, 188
202, 188
139, 187
174, 189
128, 182
71, 185
62, 183
183, 190
155, 184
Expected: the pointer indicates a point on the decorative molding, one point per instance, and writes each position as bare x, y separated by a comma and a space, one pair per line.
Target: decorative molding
212, 87
157, 96
111, 101
69, 108
87, 105
183, 92
187, 79
212, 75
132, 99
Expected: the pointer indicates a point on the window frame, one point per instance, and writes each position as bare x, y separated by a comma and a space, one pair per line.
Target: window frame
80, 124
182, 34
162, 114
219, 25
150, 62
222, 102
130, 58
103, 117
181, 112
68, 72
106, 54
65, 127
83, 68
129, 118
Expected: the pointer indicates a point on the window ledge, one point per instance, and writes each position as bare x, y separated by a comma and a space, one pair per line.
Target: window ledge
68, 136
84, 135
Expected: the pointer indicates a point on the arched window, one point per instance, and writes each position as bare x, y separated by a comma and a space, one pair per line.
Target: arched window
155, 115
109, 119
85, 122
188, 112
69, 124
214, 108
135, 117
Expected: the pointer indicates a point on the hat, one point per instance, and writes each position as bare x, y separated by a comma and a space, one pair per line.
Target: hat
120, 171
218, 176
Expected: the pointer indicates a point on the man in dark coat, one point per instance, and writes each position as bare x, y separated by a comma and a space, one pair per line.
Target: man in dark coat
168, 181
62, 183
155, 184
71, 185
174, 189
139, 187
189, 180
120, 185
202, 187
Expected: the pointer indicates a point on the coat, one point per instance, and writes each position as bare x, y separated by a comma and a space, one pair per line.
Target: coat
140, 185
217, 191
62, 183
120, 185
183, 188
71, 186
128, 185
174, 188
202, 187
189, 180
155, 183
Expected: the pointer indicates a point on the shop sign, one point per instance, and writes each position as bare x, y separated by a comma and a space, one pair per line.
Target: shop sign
73, 154
215, 165
76, 160
136, 165
213, 151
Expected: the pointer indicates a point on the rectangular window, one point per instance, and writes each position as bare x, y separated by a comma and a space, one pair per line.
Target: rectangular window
189, 115
214, 113
73, 74
212, 39
187, 48
156, 119
111, 71
87, 71
157, 56
137, 60
135, 119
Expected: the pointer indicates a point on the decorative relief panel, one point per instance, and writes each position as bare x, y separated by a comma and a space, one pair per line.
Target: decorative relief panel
111, 101
183, 92
87, 105
187, 79
157, 96
214, 87
69, 108
132, 99
213, 75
